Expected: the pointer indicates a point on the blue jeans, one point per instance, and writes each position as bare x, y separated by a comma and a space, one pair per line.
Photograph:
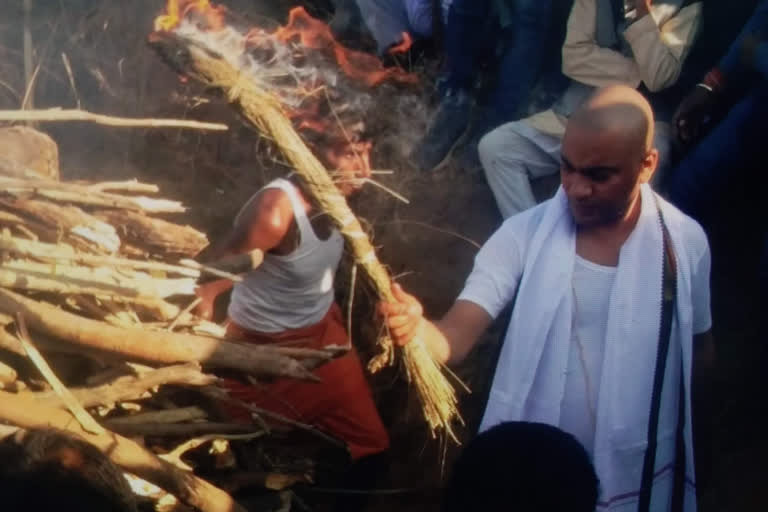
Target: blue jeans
469, 37
721, 159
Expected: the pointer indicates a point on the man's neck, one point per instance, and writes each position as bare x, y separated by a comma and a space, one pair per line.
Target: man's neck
602, 244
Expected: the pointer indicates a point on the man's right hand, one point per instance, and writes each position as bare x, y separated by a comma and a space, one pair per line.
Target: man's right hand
693, 114
403, 317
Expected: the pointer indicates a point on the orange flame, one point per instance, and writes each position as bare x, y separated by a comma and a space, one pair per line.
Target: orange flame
177, 10
404, 45
360, 66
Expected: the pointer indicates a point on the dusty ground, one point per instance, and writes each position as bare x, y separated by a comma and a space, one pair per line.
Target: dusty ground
429, 244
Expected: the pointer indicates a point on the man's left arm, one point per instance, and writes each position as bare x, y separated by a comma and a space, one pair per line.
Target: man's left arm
660, 51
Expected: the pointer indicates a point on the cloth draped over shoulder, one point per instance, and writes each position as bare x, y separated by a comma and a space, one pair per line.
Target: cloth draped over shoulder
531, 372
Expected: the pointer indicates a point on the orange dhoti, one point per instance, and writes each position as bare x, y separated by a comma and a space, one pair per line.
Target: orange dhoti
340, 405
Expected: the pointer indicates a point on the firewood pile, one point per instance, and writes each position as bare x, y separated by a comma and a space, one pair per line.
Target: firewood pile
98, 335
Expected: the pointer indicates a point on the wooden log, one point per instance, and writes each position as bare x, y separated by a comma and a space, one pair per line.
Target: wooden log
73, 279
156, 235
184, 430
26, 152
132, 387
154, 346
263, 110
59, 114
129, 455
7, 374
165, 416
69, 222
64, 192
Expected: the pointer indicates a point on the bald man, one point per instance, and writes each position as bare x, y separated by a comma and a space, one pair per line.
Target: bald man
610, 287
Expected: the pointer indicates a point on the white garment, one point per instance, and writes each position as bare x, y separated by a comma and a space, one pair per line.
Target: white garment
535, 252
288, 291
592, 284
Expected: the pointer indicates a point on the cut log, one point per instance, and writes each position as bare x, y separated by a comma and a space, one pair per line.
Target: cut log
152, 346
7, 374
26, 152
166, 416
69, 222
65, 192
129, 455
72, 279
156, 235
129, 387
184, 430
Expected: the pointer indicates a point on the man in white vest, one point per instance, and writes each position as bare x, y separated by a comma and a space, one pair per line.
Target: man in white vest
611, 316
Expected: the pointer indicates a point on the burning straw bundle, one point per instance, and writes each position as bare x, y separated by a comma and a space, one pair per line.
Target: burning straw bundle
264, 110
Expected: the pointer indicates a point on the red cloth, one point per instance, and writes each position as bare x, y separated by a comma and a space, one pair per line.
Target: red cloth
341, 405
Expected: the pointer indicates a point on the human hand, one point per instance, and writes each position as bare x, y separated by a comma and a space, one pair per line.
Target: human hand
692, 114
403, 317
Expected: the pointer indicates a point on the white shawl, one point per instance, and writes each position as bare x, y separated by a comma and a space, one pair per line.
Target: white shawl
530, 376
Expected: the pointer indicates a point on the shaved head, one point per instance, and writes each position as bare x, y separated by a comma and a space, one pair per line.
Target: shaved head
621, 111
607, 154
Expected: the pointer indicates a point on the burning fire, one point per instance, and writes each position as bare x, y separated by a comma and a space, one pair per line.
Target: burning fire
324, 87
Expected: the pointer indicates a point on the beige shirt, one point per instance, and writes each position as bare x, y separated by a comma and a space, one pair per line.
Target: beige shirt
660, 43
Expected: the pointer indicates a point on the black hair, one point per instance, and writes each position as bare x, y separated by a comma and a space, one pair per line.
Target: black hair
525, 467
44, 470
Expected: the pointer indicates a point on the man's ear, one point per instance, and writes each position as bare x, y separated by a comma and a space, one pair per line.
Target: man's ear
648, 165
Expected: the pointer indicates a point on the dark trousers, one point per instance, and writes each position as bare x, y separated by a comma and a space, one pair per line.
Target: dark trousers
724, 157
476, 36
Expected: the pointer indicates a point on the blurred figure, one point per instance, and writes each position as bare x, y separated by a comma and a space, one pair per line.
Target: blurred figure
724, 117
506, 43
639, 43
46, 470
522, 466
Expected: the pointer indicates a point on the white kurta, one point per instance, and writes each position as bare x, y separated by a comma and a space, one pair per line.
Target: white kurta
532, 257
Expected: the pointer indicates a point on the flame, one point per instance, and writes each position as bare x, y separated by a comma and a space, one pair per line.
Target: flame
360, 66
333, 134
404, 45
177, 10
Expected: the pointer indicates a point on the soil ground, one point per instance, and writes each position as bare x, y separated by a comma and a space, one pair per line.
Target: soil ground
429, 244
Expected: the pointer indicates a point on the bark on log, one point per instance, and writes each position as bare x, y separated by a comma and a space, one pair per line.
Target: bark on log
72, 279
129, 388
153, 346
157, 236
68, 222
86, 195
184, 430
129, 455
164, 417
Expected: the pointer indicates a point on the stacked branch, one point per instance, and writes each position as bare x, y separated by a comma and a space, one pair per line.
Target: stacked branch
97, 335
263, 109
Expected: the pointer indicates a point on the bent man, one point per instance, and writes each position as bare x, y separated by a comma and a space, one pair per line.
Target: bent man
604, 276
289, 298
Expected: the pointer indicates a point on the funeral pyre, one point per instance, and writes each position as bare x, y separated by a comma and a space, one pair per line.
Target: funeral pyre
97, 288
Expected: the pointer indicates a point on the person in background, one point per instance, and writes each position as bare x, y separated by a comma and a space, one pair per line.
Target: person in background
639, 43
601, 278
723, 151
522, 466
392, 24
45, 470
506, 42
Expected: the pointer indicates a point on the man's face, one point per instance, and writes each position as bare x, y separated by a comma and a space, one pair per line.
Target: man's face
351, 162
601, 173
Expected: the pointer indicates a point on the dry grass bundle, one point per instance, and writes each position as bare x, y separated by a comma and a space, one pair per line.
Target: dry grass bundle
263, 110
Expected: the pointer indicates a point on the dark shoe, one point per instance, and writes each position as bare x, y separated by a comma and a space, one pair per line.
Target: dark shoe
448, 125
